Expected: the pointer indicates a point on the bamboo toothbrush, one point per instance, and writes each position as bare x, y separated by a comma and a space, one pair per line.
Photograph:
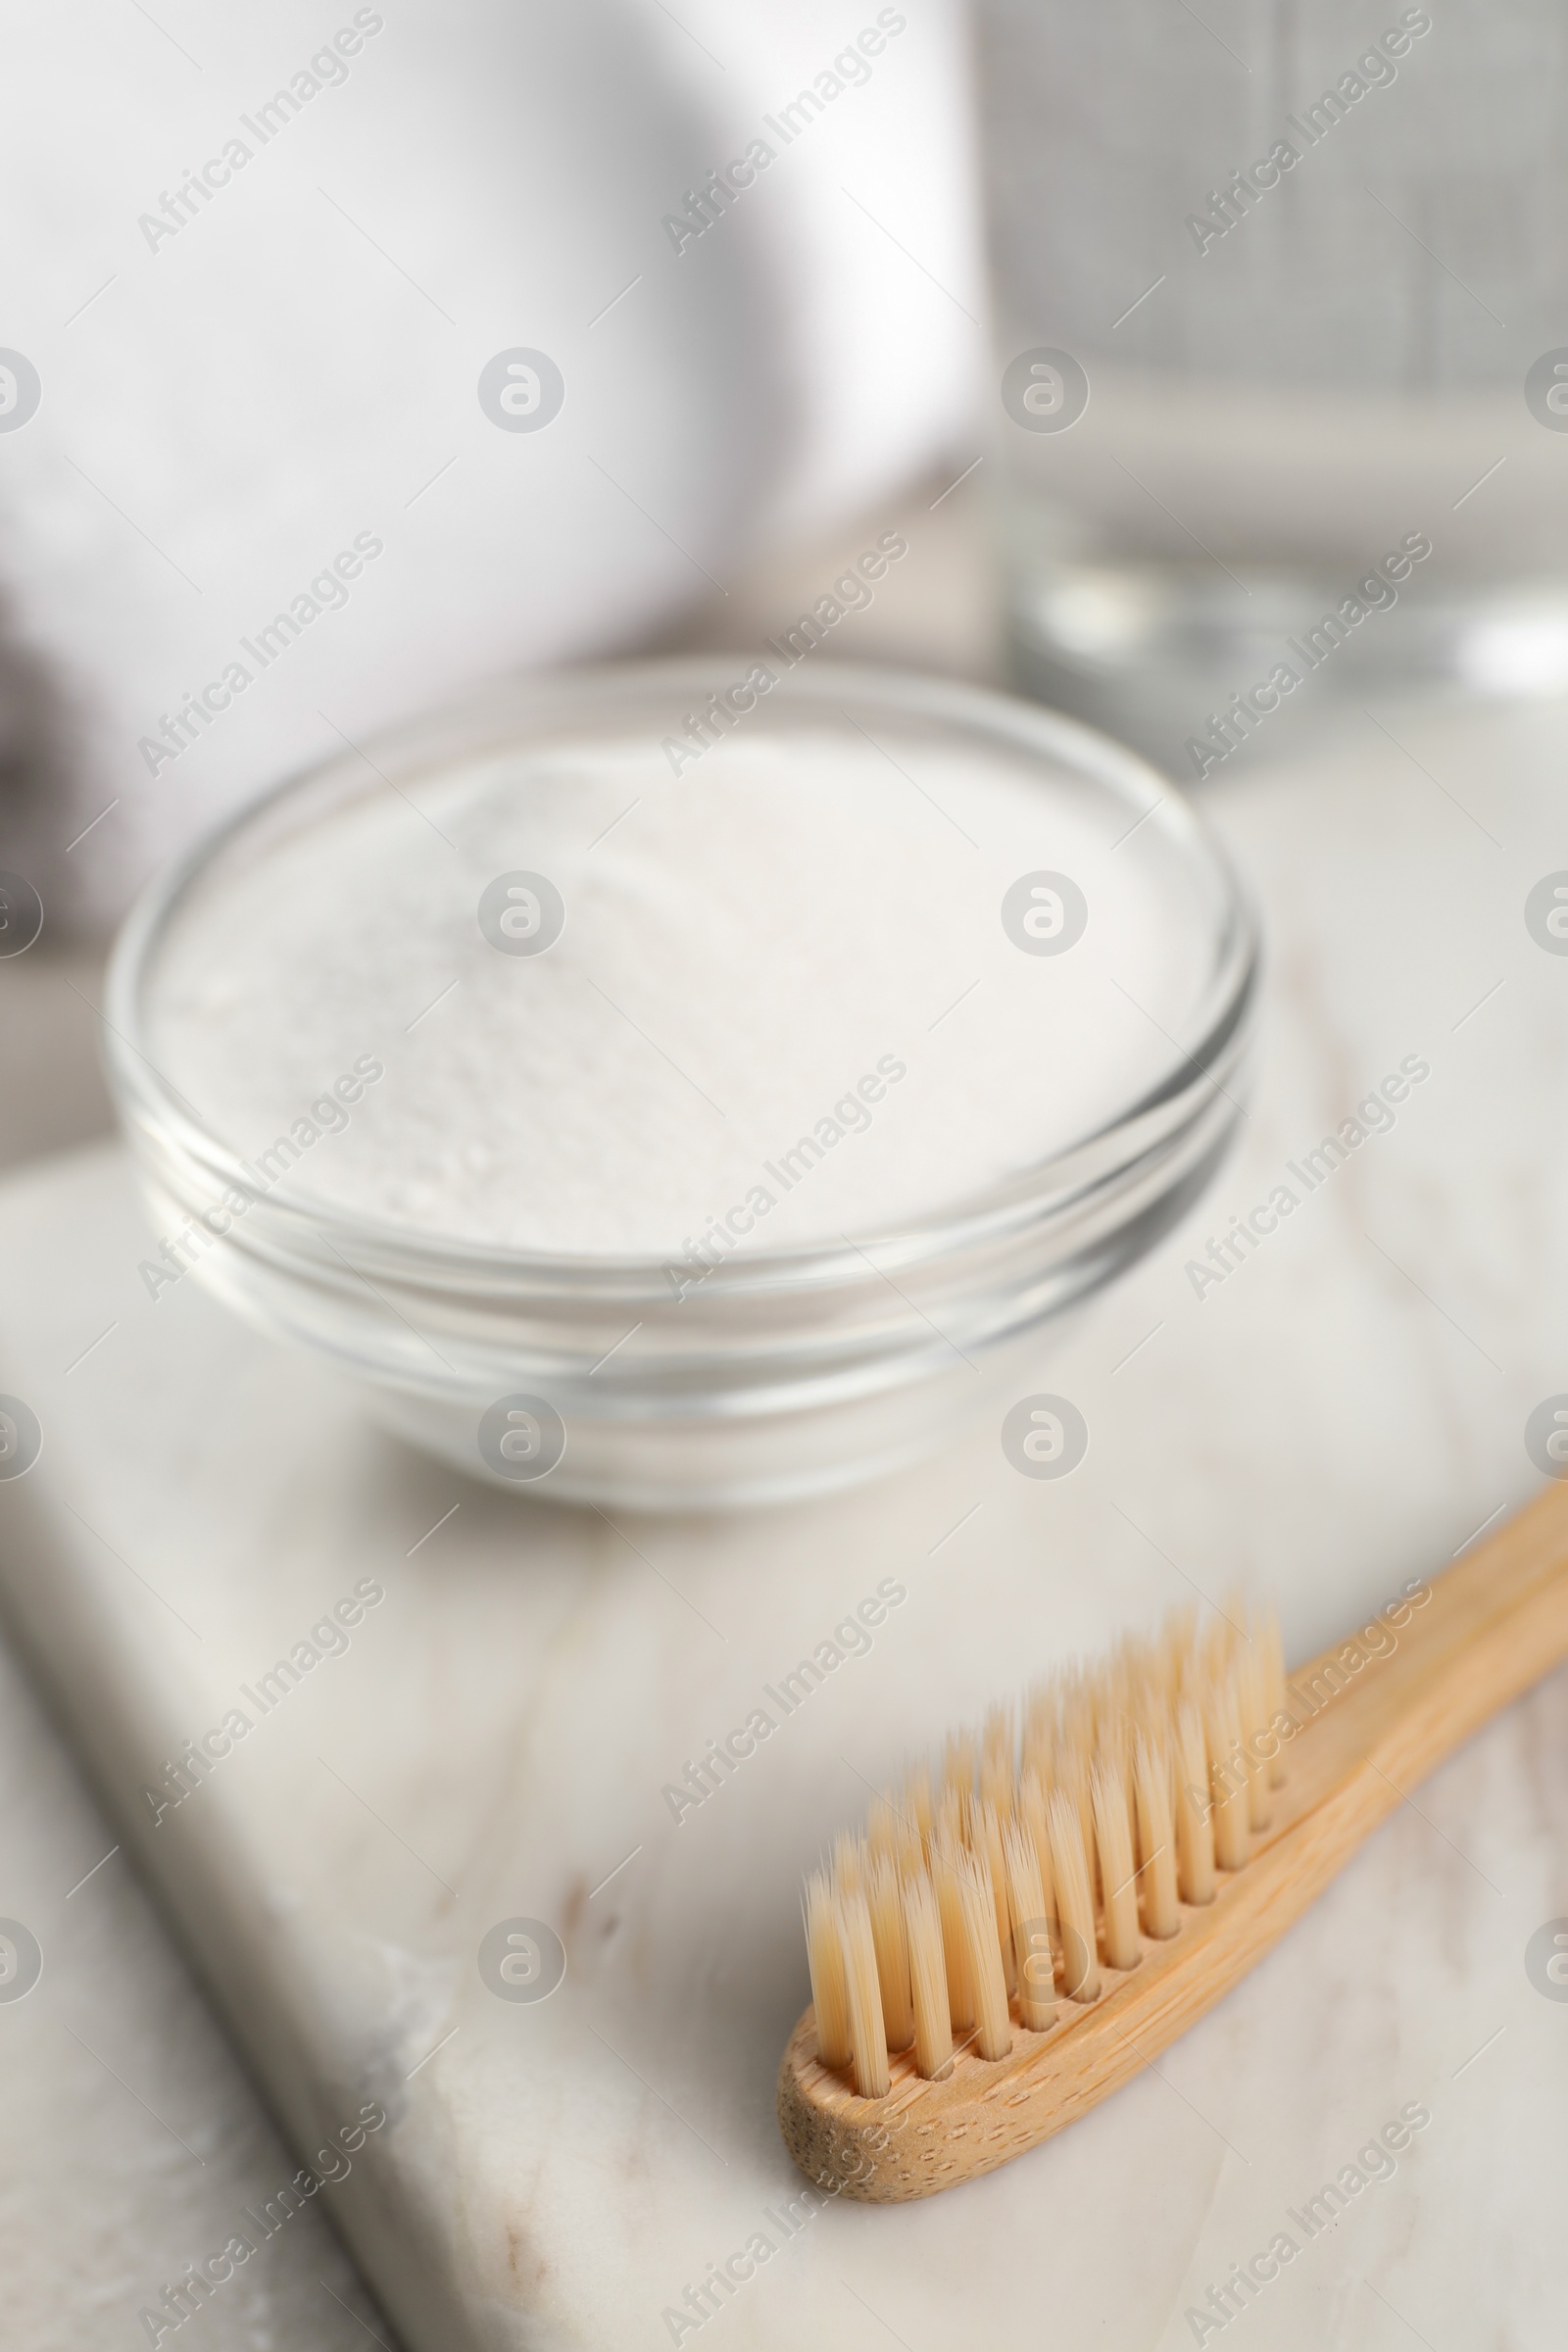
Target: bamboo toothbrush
1019, 1932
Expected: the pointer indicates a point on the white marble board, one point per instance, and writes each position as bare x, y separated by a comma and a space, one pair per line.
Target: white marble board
1344, 1411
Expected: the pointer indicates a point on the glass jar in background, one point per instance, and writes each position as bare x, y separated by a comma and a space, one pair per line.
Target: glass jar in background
1283, 356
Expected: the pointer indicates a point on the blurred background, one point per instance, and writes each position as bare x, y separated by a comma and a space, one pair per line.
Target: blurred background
1213, 362
610, 328
254, 320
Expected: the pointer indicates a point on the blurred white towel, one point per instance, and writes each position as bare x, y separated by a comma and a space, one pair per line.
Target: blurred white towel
244, 384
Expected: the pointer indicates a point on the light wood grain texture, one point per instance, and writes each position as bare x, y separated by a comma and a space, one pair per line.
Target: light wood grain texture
1493, 1626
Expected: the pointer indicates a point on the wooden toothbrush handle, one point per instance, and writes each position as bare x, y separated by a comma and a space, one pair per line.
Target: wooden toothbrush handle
1493, 1625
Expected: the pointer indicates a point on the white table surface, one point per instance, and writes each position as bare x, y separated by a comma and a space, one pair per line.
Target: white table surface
1343, 1412
132, 2138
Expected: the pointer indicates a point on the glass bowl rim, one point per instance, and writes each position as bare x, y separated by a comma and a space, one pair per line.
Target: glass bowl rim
147, 1100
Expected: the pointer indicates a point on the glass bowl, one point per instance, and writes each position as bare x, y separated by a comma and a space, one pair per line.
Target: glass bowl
785, 1371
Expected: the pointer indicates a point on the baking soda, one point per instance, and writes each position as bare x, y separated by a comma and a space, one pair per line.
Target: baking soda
783, 1006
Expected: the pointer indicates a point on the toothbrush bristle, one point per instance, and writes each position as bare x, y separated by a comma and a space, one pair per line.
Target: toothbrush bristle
1045, 1850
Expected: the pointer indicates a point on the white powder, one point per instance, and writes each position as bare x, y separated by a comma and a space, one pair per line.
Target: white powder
800, 938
